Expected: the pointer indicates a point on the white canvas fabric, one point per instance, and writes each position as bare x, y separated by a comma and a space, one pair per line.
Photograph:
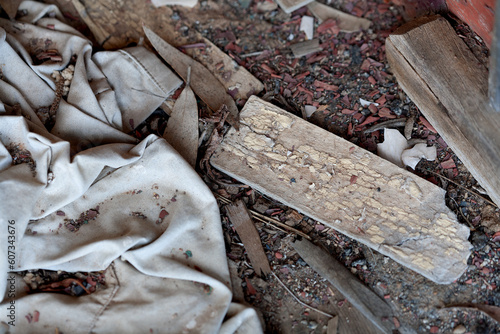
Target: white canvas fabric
166, 275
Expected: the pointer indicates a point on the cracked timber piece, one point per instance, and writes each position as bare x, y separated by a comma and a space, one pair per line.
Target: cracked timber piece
347, 188
450, 87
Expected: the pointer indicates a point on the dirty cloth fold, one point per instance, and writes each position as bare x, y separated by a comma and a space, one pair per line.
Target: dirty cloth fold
86, 196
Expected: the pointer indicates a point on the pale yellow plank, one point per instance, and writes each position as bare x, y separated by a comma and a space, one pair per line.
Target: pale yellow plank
347, 188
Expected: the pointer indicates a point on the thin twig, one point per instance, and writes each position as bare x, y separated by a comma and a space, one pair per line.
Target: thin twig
188, 80
277, 222
268, 220
298, 300
268, 223
464, 188
471, 227
258, 53
373, 256
223, 199
225, 184
392, 123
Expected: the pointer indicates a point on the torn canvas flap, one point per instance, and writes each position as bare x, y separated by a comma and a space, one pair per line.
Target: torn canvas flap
82, 195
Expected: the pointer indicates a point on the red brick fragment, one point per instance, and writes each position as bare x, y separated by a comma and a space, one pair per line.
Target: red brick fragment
326, 86
448, 164
427, 124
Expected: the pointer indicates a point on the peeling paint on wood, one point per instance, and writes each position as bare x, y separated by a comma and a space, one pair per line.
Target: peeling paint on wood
387, 208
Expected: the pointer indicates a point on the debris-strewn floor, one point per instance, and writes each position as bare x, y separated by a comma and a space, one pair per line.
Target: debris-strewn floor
258, 35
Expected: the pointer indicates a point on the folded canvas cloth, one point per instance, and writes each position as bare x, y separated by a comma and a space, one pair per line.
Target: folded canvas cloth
85, 196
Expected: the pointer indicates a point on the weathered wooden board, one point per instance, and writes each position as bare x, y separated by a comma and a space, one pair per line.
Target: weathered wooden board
450, 87
345, 22
494, 67
367, 302
242, 222
347, 188
214, 94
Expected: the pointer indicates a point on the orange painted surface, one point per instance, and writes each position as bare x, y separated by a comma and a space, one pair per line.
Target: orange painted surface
478, 14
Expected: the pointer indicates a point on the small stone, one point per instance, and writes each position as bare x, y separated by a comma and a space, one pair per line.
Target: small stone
460, 329
163, 214
479, 240
312, 325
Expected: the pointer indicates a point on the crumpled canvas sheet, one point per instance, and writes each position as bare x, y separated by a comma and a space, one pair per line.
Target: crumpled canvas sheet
157, 229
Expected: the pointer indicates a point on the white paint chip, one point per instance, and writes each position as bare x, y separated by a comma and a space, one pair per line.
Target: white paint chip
307, 26
393, 146
366, 103
310, 110
412, 157
187, 3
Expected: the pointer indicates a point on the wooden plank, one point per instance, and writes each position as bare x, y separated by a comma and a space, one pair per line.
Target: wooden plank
347, 188
306, 47
213, 94
494, 67
352, 321
239, 216
363, 299
10, 7
333, 325
450, 87
345, 22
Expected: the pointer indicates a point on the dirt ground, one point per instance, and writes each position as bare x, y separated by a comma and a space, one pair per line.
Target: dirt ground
258, 36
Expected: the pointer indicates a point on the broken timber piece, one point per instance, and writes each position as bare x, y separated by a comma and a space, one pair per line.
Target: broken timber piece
345, 22
204, 84
10, 7
365, 300
450, 87
494, 76
305, 48
347, 188
240, 217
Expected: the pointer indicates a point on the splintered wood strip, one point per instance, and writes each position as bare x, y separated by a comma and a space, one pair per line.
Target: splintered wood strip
10, 7
305, 48
239, 216
366, 301
352, 321
346, 22
204, 84
182, 127
100, 34
450, 87
333, 325
347, 188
